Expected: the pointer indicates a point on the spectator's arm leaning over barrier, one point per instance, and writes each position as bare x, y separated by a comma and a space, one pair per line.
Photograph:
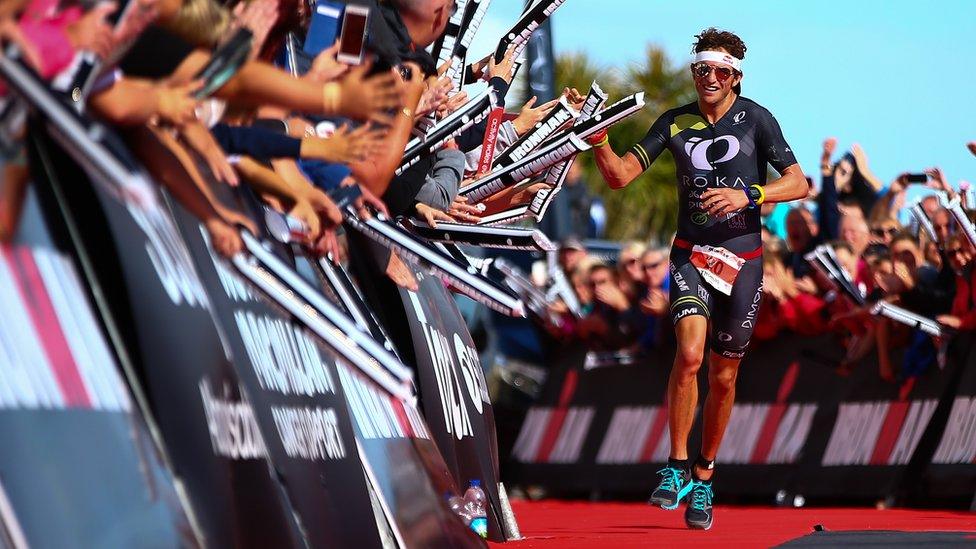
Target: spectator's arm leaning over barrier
441, 185
135, 101
500, 78
375, 173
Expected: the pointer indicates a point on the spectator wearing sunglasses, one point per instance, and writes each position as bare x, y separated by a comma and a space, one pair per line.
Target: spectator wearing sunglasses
629, 271
959, 253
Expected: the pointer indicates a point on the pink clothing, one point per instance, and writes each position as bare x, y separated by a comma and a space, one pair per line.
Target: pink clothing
43, 25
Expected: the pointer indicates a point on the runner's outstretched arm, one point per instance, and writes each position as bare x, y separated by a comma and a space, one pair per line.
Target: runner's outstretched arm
618, 172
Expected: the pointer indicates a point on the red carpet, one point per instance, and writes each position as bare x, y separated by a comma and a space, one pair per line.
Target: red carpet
567, 524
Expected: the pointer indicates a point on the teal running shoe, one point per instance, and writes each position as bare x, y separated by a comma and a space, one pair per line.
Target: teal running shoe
675, 484
699, 512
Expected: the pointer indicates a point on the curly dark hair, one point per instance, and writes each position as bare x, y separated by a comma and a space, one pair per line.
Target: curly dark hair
712, 39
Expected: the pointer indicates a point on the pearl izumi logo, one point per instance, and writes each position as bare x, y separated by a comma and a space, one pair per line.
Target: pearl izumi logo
697, 149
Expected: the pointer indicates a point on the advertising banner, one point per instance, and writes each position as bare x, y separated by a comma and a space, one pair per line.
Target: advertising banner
75, 446
797, 425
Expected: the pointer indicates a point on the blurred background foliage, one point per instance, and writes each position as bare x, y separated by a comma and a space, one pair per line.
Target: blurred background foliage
647, 208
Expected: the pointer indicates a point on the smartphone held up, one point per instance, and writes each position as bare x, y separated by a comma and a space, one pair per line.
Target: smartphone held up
347, 23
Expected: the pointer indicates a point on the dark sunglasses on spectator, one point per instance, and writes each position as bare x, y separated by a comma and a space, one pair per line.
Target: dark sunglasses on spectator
890, 231
650, 266
702, 70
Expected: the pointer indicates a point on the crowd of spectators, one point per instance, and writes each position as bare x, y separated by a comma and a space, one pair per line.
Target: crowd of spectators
295, 127
883, 249
292, 126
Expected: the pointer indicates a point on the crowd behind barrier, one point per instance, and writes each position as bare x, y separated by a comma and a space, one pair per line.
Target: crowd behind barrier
213, 218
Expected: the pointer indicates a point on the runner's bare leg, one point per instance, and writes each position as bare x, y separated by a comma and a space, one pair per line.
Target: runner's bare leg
718, 407
683, 383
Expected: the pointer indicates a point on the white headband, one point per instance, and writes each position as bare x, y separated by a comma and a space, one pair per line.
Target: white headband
719, 57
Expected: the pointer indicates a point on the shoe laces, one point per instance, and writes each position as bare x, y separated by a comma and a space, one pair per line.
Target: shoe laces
672, 478
701, 496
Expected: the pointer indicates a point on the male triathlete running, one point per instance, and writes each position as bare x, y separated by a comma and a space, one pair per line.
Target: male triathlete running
721, 145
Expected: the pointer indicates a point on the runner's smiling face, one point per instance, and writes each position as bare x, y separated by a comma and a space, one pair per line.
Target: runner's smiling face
713, 88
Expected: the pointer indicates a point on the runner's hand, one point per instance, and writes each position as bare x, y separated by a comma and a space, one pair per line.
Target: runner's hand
724, 201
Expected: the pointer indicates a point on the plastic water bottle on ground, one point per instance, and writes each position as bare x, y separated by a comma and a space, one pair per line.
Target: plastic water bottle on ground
476, 505
456, 503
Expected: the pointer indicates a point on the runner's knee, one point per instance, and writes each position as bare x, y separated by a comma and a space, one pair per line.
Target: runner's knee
722, 379
689, 358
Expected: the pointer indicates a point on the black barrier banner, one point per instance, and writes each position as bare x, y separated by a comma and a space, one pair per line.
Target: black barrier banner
75, 448
951, 471
158, 303
294, 390
404, 464
400, 462
796, 424
510, 238
454, 394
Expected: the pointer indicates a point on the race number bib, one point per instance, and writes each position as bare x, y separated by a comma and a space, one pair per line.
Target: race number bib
718, 266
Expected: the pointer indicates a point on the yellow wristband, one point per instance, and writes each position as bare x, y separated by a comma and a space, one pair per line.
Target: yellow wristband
762, 194
603, 142
330, 97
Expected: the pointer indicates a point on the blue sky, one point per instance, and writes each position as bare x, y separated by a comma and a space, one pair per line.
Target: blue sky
898, 76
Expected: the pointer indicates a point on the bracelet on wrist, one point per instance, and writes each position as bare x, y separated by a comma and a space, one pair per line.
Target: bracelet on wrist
330, 97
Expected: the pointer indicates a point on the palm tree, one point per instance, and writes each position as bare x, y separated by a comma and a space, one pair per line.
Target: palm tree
647, 208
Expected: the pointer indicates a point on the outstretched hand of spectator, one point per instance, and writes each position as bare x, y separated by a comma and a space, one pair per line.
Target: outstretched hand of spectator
461, 210
452, 104
530, 115
367, 201
329, 215
257, 16
829, 145
197, 136
305, 212
431, 215
574, 97
223, 238
937, 181
175, 103
345, 145
369, 98
92, 31
860, 158
503, 69
328, 245
325, 67
949, 320
435, 95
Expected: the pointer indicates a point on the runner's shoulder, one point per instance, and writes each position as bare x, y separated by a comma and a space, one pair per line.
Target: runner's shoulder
670, 114
755, 109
